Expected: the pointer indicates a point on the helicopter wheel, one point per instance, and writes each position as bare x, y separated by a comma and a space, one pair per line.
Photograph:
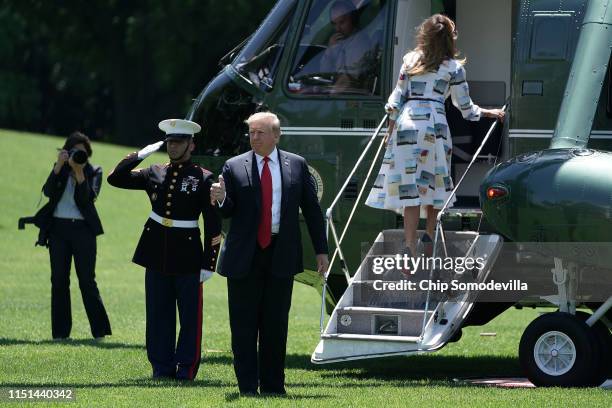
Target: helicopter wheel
559, 349
603, 356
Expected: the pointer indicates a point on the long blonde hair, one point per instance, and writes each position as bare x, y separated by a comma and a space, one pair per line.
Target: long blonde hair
436, 42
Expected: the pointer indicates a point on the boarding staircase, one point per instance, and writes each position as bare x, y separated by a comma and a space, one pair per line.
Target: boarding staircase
380, 314
368, 310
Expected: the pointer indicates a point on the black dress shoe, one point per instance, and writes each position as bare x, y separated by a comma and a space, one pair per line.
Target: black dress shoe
248, 393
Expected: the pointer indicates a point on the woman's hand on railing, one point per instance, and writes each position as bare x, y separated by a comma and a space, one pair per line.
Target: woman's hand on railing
498, 114
390, 129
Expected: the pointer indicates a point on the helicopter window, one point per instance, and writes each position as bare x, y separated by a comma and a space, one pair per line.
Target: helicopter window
259, 60
340, 49
550, 36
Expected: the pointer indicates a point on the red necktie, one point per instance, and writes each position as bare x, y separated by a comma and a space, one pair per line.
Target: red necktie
264, 233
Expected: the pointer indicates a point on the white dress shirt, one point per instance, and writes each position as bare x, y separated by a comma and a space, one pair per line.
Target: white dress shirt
66, 207
277, 188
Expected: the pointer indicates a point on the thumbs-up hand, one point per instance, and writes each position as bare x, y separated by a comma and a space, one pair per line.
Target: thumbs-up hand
217, 191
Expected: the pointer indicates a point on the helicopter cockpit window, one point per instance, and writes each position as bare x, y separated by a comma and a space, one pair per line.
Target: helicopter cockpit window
259, 59
340, 49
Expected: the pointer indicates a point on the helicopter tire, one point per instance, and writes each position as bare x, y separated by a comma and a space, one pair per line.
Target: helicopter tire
603, 355
559, 350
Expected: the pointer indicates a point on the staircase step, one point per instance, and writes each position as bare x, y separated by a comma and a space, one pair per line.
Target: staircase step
464, 210
392, 274
378, 310
380, 321
367, 294
344, 336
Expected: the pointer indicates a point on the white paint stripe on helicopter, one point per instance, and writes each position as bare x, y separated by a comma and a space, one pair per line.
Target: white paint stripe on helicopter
547, 134
513, 133
334, 131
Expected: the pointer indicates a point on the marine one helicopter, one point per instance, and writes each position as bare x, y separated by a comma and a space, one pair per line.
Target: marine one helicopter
530, 192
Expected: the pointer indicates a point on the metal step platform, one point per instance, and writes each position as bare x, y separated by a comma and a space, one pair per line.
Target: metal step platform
368, 322
380, 321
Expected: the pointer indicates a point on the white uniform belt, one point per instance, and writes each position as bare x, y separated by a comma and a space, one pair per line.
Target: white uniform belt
167, 222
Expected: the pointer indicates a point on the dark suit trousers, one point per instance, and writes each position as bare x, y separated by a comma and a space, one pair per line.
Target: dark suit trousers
73, 239
163, 294
259, 309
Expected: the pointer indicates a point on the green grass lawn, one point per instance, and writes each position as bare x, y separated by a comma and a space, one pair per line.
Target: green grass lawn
116, 372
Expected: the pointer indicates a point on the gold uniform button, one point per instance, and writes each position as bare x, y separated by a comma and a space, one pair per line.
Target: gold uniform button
175, 174
174, 180
168, 204
190, 238
169, 195
180, 166
171, 187
167, 212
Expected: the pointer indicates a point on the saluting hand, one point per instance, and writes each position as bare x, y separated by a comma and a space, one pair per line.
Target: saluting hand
217, 191
149, 150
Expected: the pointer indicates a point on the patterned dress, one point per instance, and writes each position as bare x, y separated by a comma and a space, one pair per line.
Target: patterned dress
416, 165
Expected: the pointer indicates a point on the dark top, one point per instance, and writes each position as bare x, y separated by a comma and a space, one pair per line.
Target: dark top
243, 202
177, 192
84, 196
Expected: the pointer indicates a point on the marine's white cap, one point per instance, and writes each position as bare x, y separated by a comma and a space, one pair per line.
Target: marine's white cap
179, 128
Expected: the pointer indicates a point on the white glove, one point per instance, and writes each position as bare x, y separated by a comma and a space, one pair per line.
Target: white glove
205, 275
149, 150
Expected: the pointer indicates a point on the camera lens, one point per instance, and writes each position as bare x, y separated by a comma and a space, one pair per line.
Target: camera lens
78, 156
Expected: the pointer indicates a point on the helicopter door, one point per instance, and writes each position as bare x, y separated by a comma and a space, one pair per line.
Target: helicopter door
546, 38
485, 38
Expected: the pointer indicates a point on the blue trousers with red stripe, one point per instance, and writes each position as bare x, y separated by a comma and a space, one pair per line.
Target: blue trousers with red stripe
164, 293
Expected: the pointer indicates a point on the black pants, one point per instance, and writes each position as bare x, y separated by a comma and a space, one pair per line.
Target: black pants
259, 309
70, 239
163, 294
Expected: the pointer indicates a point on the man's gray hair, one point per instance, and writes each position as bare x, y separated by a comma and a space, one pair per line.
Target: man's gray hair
269, 116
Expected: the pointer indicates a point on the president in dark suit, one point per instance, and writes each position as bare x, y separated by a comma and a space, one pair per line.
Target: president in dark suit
262, 191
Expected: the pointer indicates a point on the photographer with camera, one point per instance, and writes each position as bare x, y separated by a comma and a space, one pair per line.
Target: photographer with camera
69, 225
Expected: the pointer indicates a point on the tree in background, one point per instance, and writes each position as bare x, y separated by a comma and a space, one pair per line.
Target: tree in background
112, 68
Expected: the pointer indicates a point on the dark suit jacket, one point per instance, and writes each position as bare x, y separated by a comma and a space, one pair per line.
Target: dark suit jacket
84, 196
243, 202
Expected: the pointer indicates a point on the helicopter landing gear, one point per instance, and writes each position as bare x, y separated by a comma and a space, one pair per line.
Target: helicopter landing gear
567, 348
559, 349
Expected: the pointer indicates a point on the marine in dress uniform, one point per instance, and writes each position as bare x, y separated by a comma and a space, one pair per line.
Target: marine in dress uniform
170, 247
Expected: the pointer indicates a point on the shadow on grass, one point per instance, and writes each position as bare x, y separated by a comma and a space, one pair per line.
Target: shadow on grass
393, 371
137, 382
234, 396
70, 342
414, 371
433, 369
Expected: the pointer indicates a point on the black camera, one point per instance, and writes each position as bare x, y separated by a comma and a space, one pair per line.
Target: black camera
78, 156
